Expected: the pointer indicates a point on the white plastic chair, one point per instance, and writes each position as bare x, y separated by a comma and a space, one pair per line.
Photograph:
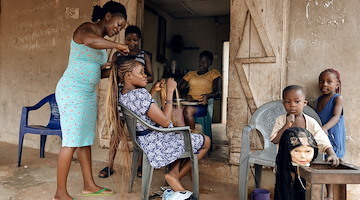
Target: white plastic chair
262, 120
131, 120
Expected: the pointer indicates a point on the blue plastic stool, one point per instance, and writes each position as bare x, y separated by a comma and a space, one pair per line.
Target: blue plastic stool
206, 121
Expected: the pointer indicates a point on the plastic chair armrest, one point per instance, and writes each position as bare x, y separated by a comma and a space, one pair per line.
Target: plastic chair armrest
245, 139
24, 116
38, 105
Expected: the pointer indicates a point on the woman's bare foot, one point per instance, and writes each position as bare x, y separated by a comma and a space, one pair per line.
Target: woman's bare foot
97, 189
62, 197
174, 182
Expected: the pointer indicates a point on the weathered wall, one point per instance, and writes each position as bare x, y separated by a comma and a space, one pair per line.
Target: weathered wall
326, 34
34, 55
264, 79
307, 37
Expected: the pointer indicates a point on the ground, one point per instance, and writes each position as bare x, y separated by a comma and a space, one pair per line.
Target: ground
36, 178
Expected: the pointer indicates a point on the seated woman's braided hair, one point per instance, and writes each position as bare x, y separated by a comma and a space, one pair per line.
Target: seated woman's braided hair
113, 123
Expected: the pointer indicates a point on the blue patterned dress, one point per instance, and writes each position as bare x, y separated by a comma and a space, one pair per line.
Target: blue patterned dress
76, 95
160, 148
337, 133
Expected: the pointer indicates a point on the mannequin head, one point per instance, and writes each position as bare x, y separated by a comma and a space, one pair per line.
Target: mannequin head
303, 154
297, 147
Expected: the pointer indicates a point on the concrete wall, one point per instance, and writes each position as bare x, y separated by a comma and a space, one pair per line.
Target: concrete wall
34, 55
307, 37
326, 34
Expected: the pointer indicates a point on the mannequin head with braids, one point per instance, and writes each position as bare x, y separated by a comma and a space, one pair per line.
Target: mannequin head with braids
297, 147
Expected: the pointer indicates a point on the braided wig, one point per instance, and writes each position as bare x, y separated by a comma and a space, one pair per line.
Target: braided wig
113, 123
288, 187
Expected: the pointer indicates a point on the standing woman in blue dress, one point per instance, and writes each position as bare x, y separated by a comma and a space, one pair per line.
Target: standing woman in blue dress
76, 95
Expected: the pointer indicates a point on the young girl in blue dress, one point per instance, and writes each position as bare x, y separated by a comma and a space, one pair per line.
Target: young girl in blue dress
160, 148
330, 109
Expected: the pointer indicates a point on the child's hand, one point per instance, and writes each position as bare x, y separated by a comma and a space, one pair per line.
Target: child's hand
335, 161
171, 84
290, 119
325, 130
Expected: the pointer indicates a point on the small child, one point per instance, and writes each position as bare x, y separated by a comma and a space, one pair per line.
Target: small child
294, 102
297, 147
330, 109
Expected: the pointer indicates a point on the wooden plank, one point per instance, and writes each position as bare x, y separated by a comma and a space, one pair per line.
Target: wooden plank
253, 60
246, 87
313, 191
339, 191
260, 27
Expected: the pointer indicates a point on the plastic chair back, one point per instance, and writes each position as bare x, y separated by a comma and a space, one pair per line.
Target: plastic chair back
263, 121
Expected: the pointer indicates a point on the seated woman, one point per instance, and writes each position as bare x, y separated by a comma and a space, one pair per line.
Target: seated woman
297, 147
160, 148
203, 85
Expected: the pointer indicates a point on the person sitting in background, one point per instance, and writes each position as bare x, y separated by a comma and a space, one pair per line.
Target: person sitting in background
203, 85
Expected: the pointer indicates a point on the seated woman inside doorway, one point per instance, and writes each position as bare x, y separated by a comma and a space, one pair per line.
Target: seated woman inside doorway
203, 85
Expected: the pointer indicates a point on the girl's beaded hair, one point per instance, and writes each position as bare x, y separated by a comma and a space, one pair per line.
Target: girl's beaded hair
337, 74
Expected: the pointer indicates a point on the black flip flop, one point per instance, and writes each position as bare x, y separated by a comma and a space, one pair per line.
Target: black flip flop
106, 172
139, 172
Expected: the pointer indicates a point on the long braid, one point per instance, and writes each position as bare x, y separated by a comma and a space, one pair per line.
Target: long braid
113, 124
337, 74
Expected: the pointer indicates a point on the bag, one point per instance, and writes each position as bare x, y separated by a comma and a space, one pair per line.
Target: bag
170, 194
260, 194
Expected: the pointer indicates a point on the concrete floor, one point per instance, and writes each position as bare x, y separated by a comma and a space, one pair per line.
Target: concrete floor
36, 178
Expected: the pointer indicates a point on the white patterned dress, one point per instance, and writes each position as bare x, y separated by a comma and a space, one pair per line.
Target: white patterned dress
160, 148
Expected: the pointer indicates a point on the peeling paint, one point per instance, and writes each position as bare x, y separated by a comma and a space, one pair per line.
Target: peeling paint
328, 4
307, 10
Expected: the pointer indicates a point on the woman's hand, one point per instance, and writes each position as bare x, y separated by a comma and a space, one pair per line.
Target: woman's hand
171, 84
189, 98
159, 85
123, 49
203, 99
107, 65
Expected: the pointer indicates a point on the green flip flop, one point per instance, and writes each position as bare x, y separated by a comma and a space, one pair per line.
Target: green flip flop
99, 193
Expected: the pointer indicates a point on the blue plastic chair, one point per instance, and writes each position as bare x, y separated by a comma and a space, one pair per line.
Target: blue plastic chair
206, 121
53, 127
